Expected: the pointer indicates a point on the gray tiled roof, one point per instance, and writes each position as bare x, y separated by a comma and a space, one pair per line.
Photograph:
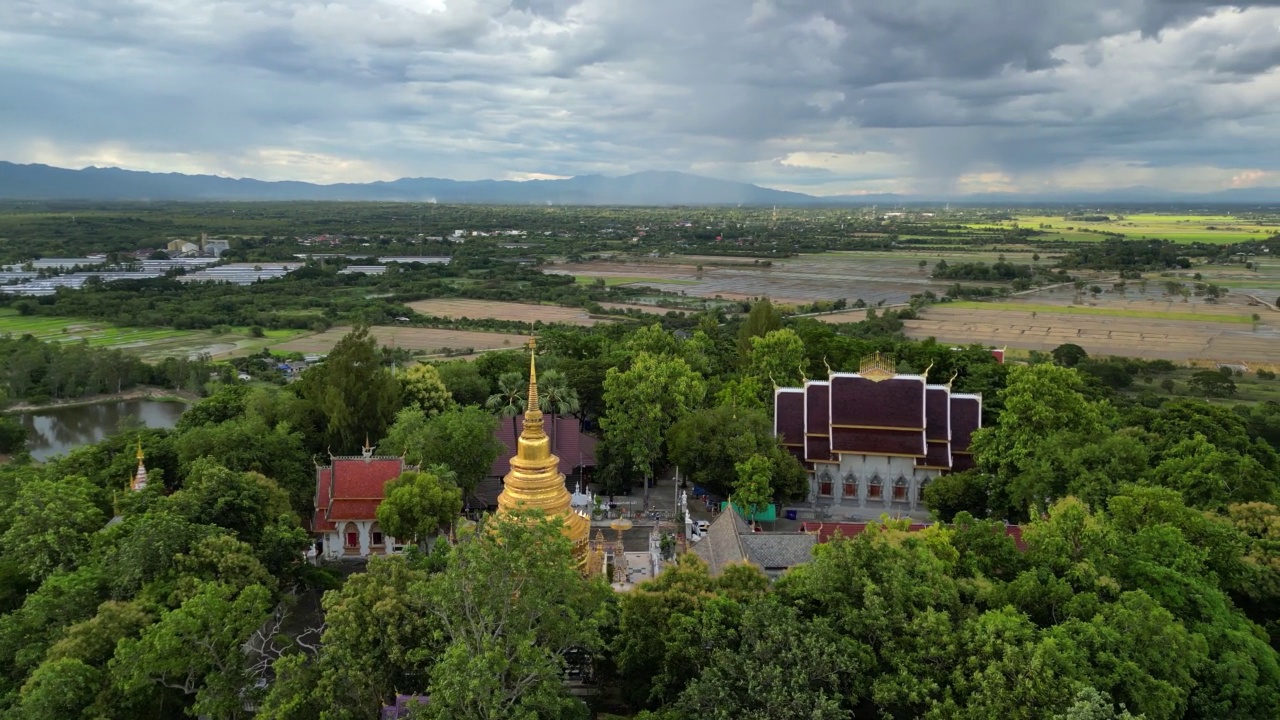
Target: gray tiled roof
722, 545
779, 551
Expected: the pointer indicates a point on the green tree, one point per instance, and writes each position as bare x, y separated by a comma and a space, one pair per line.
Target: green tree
59, 689
1211, 478
752, 492
1212, 384
643, 402
379, 639
555, 395
654, 340
419, 504
355, 395
1089, 704
777, 666
1069, 355
245, 503
292, 695
464, 382
462, 439
1045, 412
511, 604
247, 444
51, 523
511, 398
776, 359
197, 649
762, 319
425, 389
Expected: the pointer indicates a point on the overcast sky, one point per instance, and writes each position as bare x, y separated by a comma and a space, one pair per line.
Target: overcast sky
821, 96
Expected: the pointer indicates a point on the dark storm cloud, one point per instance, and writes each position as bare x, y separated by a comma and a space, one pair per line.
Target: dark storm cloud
831, 94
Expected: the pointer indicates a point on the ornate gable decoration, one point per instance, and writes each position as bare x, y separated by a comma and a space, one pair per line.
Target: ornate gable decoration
877, 368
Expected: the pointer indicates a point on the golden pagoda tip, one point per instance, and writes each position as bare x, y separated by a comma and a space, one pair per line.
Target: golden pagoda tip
140, 455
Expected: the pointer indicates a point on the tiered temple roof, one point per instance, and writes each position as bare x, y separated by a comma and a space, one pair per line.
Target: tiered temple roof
877, 411
351, 488
575, 448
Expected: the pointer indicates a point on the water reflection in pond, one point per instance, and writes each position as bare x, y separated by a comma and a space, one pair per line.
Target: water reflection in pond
57, 431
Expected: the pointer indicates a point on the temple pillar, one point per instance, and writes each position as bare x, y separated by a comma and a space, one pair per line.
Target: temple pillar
364, 528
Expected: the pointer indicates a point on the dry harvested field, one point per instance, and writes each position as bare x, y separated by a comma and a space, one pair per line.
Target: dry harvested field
1130, 333
431, 340
456, 308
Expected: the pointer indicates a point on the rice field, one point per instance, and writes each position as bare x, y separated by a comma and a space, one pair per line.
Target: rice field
152, 344
872, 276
1215, 229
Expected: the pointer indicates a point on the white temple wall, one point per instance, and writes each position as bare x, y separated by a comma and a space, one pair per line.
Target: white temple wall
853, 480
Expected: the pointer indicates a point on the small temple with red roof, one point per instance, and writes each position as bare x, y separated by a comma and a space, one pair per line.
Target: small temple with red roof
348, 492
872, 440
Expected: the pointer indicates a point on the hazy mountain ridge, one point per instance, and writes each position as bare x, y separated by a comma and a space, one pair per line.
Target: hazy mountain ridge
44, 182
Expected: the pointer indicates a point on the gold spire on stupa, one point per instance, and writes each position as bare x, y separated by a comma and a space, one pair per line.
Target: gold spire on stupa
535, 481
140, 477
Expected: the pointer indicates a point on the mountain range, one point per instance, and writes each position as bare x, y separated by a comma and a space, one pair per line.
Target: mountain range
44, 182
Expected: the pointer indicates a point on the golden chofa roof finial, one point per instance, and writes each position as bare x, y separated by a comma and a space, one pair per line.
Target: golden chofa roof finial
877, 367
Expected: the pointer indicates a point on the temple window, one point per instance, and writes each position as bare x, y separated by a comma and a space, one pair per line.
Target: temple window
351, 536
900, 489
376, 536
825, 486
850, 489
875, 488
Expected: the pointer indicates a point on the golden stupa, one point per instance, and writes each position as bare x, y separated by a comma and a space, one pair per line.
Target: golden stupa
535, 481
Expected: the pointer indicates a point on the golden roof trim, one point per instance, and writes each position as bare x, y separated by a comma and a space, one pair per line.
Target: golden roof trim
877, 368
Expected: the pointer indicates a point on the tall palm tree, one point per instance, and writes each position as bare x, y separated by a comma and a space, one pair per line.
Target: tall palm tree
510, 399
556, 397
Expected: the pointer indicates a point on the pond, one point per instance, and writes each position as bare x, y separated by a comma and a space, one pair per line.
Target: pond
57, 431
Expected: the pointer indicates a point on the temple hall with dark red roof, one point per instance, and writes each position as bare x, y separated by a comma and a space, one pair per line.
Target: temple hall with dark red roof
872, 440
348, 492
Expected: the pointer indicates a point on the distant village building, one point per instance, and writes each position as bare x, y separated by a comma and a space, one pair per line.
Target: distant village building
214, 247
872, 440
181, 247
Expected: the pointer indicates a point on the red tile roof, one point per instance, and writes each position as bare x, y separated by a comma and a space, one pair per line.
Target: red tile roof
574, 448
351, 488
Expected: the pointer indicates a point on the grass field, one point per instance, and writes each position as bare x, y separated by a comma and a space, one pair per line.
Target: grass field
1219, 229
151, 344
429, 340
